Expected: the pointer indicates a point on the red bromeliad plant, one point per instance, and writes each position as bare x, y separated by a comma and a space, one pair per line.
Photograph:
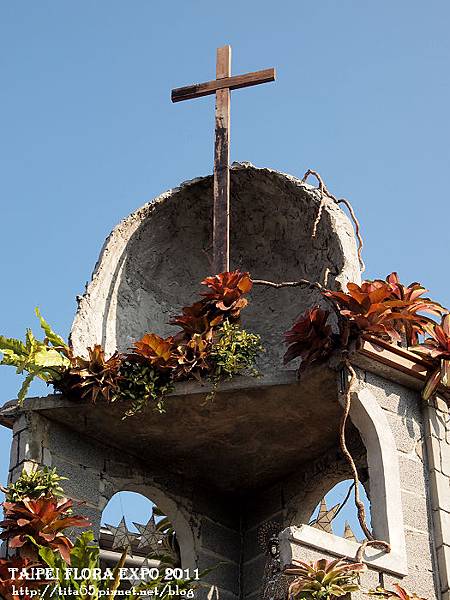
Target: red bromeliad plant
227, 291
192, 357
11, 581
93, 377
224, 302
44, 520
196, 319
323, 579
311, 338
158, 351
411, 295
437, 347
398, 594
369, 309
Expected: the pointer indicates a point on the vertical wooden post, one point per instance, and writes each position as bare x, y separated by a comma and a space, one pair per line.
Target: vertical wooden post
221, 218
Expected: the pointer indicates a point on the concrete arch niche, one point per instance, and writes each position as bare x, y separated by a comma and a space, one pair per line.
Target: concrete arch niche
172, 510
385, 497
153, 261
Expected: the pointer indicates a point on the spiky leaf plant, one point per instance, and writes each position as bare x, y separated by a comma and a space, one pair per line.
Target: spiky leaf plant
223, 302
158, 351
311, 338
193, 357
323, 579
12, 586
415, 303
39, 482
436, 347
142, 385
227, 291
399, 593
370, 309
47, 359
44, 520
95, 377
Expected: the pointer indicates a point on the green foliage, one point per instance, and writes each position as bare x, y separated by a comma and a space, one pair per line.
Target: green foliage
234, 351
46, 359
35, 484
323, 579
141, 385
86, 555
83, 555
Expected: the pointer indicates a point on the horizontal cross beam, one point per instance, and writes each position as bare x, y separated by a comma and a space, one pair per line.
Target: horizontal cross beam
232, 83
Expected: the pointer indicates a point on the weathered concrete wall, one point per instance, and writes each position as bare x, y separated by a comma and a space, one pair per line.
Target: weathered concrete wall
405, 412
407, 417
213, 527
437, 442
152, 263
208, 528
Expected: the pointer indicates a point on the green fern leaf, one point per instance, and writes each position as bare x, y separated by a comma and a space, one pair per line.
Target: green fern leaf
53, 338
12, 344
25, 387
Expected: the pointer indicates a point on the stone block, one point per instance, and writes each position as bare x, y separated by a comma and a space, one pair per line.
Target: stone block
14, 452
415, 512
445, 458
443, 555
74, 448
412, 474
433, 446
225, 575
20, 423
251, 546
253, 575
220, 540
82, 484
441, 521
419, 551
406, 430
437, 424
419, 582
225, 512
440, 491
29, 446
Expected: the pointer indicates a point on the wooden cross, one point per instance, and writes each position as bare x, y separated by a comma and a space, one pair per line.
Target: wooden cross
221, 87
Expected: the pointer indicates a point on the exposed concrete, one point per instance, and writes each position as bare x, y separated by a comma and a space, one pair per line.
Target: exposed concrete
247, 437
154, 260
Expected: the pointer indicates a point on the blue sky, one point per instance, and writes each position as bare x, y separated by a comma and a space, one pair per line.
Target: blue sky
88, 132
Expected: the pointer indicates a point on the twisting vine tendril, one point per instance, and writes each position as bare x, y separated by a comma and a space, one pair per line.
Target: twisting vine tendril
325, 192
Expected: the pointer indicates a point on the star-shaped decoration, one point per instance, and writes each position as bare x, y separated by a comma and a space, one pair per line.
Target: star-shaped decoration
325, 517
122, 538
151, 538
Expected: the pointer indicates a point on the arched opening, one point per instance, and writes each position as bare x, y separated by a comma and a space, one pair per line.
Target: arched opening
336, 512
135, 523
383, 483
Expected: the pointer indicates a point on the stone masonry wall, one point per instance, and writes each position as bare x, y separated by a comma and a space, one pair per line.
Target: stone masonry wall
208, 528
215, 529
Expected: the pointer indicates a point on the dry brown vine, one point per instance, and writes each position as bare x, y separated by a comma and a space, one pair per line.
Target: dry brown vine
371, 541
303, 283
325, 192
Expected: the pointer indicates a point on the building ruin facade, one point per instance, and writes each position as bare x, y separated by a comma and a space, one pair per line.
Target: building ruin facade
264, 452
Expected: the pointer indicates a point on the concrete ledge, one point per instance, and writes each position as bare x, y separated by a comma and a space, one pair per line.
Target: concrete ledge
293, 539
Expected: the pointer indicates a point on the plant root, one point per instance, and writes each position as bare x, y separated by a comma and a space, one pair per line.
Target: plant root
325, 192
371, 541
